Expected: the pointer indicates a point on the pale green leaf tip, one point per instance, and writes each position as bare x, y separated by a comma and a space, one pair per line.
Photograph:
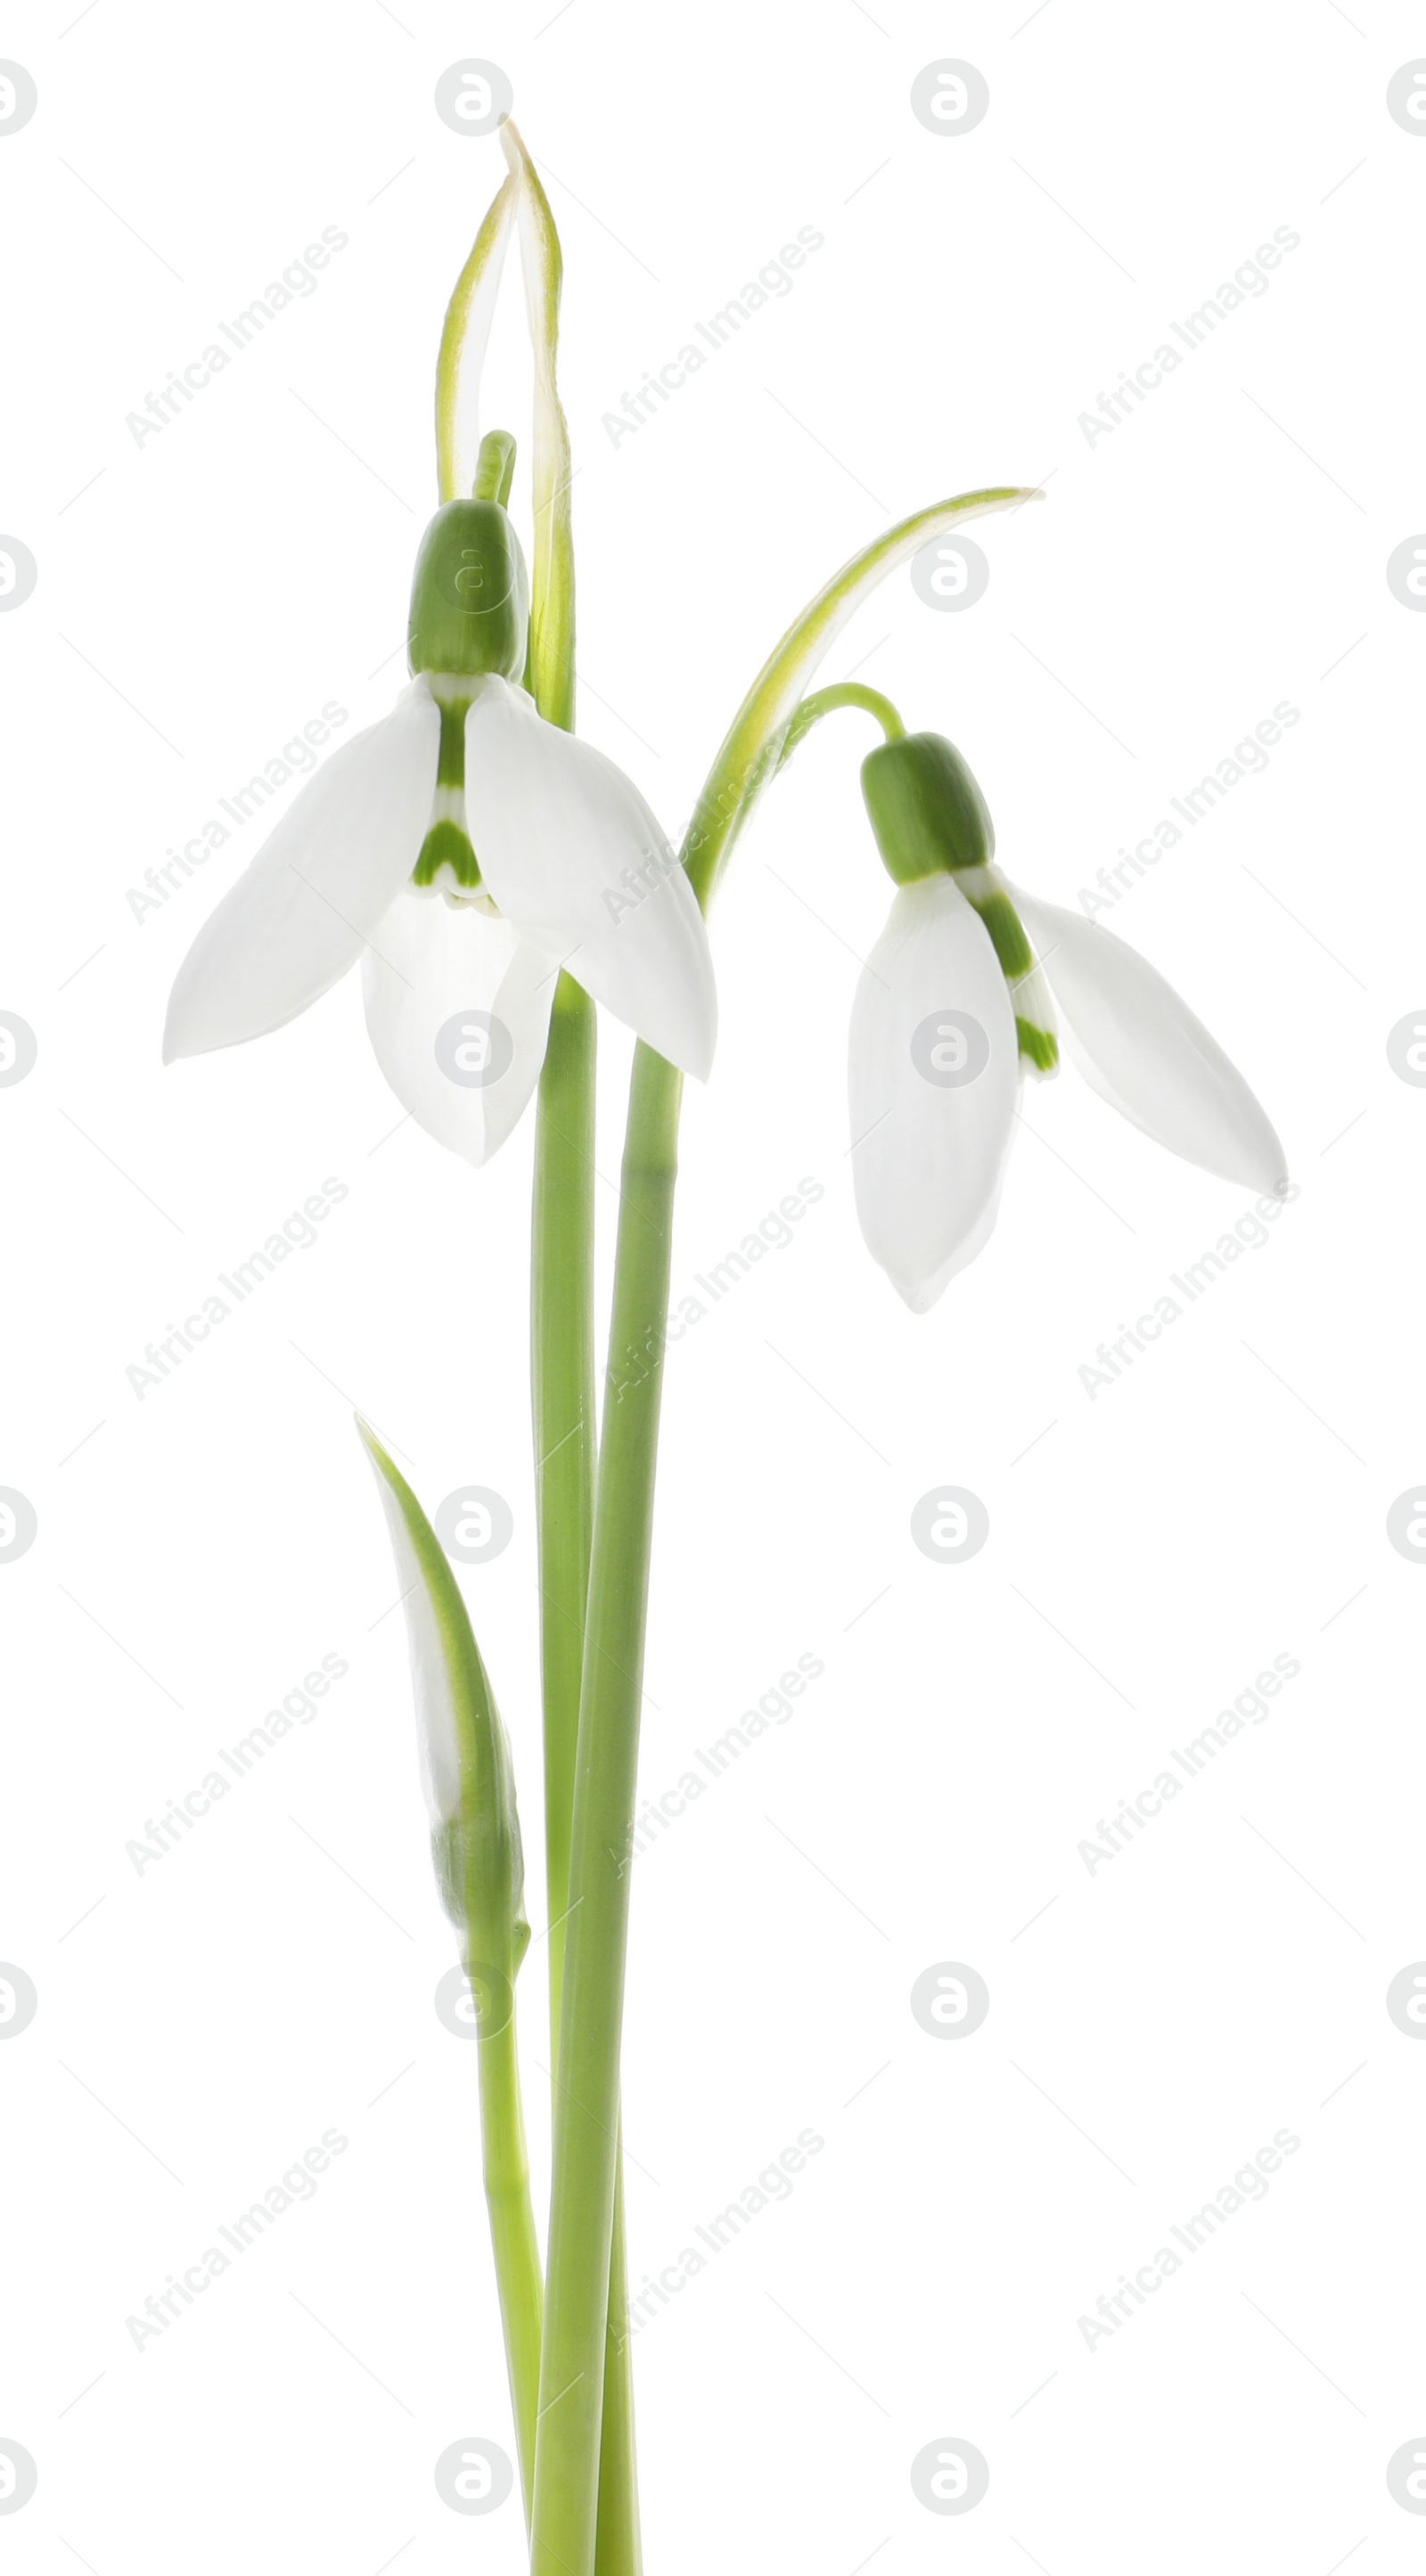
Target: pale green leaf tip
384, 1465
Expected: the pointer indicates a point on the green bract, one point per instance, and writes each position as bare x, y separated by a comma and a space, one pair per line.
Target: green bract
480, 1870
926, 810
475, 1827
470, 594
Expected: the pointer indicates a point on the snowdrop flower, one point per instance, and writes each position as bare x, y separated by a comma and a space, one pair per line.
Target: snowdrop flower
952, 1007
465, 850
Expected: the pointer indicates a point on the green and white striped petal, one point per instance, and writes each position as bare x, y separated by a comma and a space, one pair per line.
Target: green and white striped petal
993, 899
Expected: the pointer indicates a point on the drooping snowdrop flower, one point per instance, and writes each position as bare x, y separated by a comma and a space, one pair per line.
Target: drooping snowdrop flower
954, 1005
465, 850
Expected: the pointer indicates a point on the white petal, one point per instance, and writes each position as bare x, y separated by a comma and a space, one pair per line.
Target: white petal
430, 968
573, 856
1142, 1049
933, 1083
301, 913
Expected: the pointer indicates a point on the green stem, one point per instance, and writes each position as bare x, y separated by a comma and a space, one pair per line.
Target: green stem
562, 1351
825, 702
748, 755
512, 2235
585, 2248
586, 2152
562, 1365
617, 2550
494, 467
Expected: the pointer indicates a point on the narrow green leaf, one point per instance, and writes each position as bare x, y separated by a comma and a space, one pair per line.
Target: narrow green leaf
750, 754
465, 1754
464, 339
552, 564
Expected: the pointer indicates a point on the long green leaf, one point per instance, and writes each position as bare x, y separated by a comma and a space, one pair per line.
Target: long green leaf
753, 745
464, 339
552, 565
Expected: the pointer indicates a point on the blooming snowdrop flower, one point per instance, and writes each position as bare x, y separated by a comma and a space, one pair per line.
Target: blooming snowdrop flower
952, 1007
465, 850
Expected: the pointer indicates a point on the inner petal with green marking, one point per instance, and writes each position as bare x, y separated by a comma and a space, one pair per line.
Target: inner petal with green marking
448, 864
986, 888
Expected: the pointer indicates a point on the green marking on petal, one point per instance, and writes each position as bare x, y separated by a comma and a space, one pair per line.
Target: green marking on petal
447, 846
450, 767
1039, 1047
1007, 935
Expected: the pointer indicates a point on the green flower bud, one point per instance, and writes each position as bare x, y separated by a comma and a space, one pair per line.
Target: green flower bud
470, 594
926, 810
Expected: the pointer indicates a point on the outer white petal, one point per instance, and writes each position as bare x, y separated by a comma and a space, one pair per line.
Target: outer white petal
1142, 1049
928, 1156
556, 826
430, 965
300, 914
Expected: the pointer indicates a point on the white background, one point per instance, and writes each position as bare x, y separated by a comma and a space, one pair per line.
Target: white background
1151, 1550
